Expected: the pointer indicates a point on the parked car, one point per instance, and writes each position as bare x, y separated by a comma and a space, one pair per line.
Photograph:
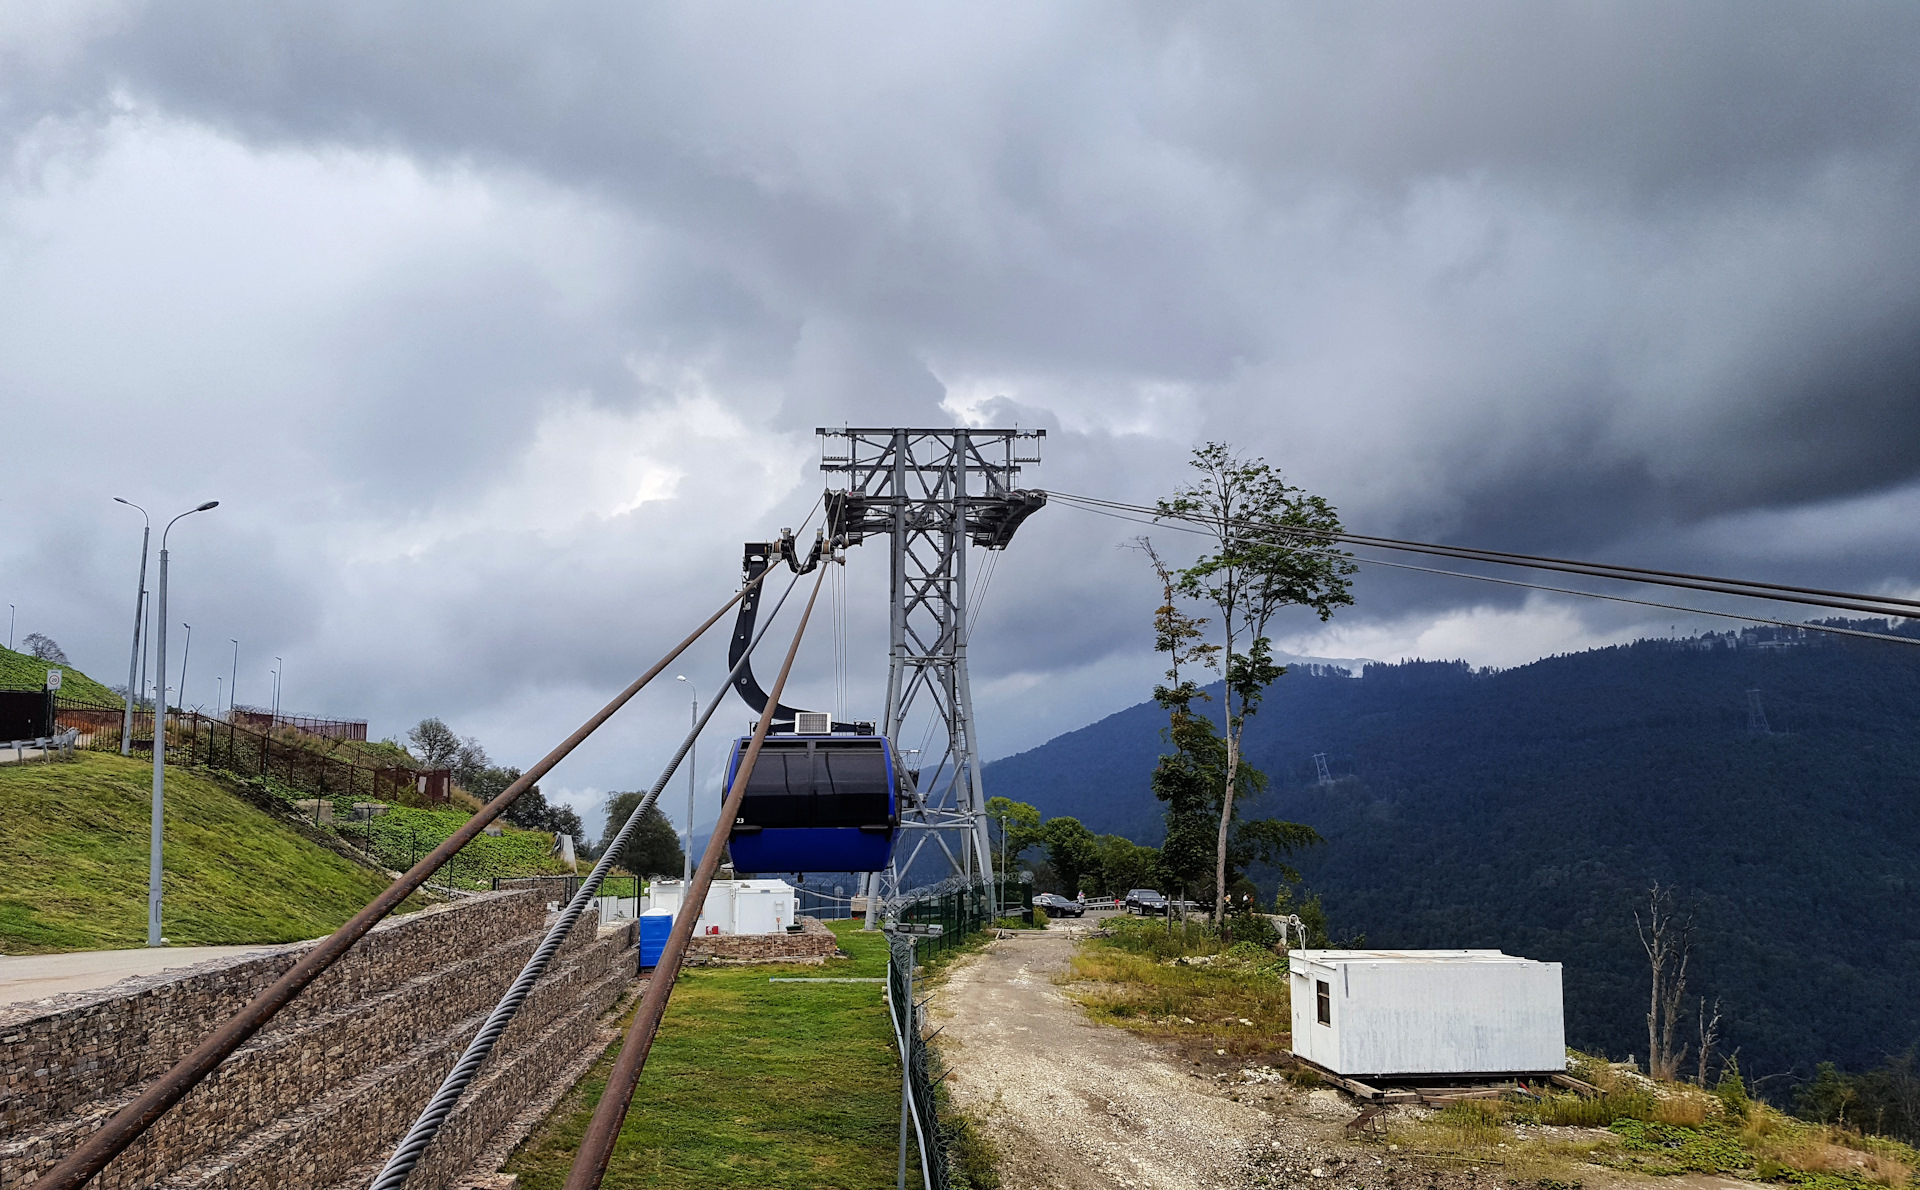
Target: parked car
1059, 906
1146, 901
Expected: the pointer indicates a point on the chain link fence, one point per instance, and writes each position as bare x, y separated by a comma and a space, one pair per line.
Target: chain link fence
960, 910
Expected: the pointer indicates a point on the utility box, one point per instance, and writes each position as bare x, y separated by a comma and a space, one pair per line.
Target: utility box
1453, 1013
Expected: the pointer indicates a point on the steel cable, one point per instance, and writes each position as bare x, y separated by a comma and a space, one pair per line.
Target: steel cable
1890, 606
126, 1125
603, 1130
414, 1145
1285, 537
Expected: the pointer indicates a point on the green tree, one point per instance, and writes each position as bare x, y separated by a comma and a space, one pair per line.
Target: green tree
1019, 822
436, 744
654, 847
1271, 549
1122, 864
1073, 851
1194, 779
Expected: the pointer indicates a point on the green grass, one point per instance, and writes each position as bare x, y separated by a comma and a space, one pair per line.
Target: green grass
74, 850
750, 1084
24, 671
1187, 985
405, 834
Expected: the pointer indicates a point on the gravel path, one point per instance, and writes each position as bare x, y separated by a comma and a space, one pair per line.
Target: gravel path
1075, 1105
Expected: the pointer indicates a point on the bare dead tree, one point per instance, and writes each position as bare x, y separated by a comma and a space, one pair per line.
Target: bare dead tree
1709, 1035
1667, 935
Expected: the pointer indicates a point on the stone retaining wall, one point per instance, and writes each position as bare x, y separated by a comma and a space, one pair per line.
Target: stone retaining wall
814, 943
334, 1079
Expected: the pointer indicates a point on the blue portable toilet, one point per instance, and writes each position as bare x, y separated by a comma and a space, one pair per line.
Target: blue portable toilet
655, 925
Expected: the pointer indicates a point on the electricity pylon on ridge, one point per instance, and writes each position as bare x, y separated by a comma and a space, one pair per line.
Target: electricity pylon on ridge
932, 492
1756, 715
1320, 764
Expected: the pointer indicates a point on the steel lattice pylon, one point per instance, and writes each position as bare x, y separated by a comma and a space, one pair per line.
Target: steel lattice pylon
931, 492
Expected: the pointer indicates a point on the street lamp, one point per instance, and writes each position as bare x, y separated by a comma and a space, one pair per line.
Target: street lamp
693, 765
233, 678
10, 610
160, 734
139, 614
278, 665
219, 684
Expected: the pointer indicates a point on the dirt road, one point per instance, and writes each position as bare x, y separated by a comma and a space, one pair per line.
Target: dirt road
1073, 1104
1070, 1104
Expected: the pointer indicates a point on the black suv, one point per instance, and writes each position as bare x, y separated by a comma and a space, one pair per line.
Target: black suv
1146, 901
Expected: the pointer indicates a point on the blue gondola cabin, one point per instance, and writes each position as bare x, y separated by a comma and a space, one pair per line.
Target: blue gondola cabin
816, 804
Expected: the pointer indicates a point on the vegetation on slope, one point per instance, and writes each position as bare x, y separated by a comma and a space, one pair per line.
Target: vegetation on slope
750, 1084
1530, 809
74, 849
24, 671
401, 836
1186, 984
1661, 1129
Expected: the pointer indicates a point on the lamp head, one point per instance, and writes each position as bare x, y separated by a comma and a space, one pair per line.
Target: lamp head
122, 500
207, 505
679, 677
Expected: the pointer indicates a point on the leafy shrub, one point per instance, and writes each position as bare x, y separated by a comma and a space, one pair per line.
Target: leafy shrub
1732, 1091
1597, 1112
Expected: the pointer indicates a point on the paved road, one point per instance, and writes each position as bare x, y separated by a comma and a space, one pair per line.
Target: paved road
36, 976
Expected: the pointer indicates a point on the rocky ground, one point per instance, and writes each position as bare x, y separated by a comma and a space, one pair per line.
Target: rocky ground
1069, 1103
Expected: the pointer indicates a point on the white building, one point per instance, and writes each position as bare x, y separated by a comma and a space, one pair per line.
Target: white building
736, 906
1427, 1012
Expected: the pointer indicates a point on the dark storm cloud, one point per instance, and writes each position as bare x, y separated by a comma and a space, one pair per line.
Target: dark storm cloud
509, 322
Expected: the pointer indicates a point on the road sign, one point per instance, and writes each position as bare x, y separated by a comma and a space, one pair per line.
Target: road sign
53, 679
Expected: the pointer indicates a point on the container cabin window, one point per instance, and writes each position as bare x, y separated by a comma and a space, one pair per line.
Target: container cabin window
1323, 1001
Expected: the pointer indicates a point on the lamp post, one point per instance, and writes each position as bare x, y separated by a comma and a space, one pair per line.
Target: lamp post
219, 684
160, 734
278, 665
139, 613
10, 610
693, 765
233, 678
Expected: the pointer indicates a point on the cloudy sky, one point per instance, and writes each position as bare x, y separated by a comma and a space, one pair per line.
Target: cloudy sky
497, 328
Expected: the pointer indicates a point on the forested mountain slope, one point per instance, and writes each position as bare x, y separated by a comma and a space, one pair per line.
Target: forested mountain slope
1529, 809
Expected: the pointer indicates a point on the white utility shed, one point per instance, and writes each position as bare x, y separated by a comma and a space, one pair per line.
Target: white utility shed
1432, 1012
736, 906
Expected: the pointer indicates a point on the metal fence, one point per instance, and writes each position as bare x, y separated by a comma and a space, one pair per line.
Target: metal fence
819, 903
961, 909
223, 743
262, 719
921, 1067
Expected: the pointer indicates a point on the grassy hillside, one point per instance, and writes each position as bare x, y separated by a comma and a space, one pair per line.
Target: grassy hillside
1529, 809
73, 845
24, 671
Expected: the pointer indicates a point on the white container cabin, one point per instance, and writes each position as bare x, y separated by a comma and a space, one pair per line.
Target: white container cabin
736, 906
1451, 1013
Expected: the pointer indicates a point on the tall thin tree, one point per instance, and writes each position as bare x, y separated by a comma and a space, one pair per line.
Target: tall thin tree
1667, 937
1269, 552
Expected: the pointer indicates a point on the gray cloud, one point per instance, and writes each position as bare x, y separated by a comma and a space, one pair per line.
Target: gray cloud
498, 333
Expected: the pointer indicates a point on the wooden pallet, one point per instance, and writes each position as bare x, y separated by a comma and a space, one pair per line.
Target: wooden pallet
1492, 1088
